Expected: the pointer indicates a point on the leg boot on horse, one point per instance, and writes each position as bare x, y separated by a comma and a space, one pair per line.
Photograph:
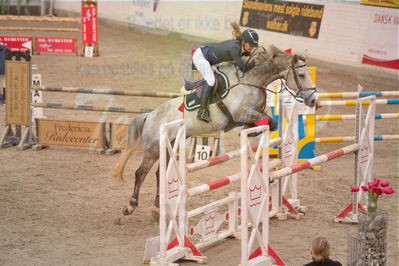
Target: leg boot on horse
203, 112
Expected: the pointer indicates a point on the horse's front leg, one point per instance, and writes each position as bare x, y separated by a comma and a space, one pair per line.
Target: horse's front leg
251, 116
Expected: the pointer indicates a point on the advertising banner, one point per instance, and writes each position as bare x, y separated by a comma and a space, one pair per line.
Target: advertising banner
385, 3
294, 18
17, 43
89, 25
18, 84
71, 133
142, 13
383, 44
55, 45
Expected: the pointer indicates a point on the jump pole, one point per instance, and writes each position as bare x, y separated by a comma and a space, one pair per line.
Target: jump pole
363, 149
39, 29
91, 108
314, 161
358, 94
352, 117
109, 92
352, 138
224, 157
310, 125
224, 181
40, 19
353, 102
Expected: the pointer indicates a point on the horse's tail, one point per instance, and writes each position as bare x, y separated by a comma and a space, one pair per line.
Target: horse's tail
236, 30
133, 141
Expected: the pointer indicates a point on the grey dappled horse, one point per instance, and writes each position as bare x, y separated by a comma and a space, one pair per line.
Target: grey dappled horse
245, 102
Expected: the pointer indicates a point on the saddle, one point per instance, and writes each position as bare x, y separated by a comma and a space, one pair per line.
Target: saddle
221, 89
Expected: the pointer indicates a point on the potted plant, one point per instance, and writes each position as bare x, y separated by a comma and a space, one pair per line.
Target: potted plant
368, 246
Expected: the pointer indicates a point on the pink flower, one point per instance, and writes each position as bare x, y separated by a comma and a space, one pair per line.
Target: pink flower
374, 190
370, 185
384, 183
379, 191
355, 189
376, 182
365, 188
387, 190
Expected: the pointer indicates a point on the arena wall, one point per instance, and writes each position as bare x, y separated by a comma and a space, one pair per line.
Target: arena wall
343, 36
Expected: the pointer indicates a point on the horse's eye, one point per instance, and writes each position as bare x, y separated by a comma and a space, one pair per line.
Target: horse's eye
301, 72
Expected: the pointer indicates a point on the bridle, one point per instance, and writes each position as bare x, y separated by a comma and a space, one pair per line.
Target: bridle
299, 96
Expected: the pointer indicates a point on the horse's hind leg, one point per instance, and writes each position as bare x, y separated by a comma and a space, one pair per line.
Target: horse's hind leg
156, 201
155, 211
149, 159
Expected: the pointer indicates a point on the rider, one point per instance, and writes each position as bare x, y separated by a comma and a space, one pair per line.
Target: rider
216, 52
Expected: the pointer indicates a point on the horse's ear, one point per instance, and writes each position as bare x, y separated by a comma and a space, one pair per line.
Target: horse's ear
304, 54
294, 59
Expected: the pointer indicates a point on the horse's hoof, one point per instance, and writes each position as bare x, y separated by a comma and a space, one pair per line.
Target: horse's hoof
155, 214
128, 210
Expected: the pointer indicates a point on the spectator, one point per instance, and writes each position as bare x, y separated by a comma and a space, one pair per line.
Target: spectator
320, 252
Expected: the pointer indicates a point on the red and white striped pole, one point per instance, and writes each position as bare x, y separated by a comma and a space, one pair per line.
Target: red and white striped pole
224, 157
223, 181
314, 161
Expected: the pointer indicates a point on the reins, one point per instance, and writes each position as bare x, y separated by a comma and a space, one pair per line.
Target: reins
247, 61
299, 96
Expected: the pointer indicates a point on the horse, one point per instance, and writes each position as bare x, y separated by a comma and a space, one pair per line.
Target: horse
245, 105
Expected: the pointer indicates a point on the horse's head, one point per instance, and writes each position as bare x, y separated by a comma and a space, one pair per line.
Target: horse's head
291, 68
298, 78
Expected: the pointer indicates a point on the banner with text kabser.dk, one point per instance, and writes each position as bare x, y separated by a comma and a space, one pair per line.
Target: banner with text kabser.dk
299, 19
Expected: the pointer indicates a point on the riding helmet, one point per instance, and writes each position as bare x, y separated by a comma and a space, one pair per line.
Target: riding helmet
251, 37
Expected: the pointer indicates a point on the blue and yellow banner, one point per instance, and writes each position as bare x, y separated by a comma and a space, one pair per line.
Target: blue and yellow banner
384, 3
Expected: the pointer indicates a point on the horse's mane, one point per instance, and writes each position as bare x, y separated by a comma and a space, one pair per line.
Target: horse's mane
277, 51
265, 54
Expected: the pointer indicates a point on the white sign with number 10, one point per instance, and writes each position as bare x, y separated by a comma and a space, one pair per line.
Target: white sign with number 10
202, 153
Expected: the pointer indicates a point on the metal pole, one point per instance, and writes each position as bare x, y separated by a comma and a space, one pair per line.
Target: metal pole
42, 7
50, 11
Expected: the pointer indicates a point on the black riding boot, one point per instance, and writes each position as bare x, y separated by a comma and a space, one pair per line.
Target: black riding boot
203, 112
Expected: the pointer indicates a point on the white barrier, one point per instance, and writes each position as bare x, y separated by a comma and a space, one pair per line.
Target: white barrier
175, 233
255, 198
255, 191
209, 224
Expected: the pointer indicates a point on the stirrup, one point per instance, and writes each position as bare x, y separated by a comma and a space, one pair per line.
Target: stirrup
203, 114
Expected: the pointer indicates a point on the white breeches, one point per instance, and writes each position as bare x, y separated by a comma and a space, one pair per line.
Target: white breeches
203, 67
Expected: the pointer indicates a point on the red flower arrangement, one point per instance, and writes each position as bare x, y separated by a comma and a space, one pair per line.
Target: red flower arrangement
374, 190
